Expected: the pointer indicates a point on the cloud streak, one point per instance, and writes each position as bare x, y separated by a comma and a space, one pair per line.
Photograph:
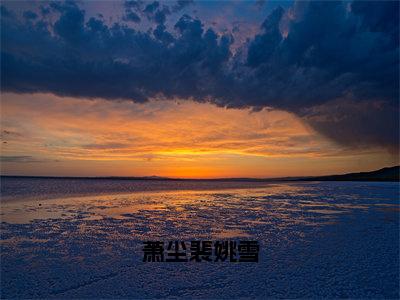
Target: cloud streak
23, 159
77, 136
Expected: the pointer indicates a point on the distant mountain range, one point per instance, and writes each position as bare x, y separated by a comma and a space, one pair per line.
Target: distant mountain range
385, 174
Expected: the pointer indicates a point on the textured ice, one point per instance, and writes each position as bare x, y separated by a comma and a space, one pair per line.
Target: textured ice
331, 239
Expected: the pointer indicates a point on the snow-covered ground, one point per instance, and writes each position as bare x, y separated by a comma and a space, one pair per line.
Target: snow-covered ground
331, 239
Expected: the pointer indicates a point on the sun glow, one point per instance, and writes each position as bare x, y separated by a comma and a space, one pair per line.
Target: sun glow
96, 137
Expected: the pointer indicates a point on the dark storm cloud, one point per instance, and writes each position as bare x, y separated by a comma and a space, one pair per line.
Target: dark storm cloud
328, 53
30, 15
153, 11
156, 12
260, 3
181, 4
132, 16
358, 124
5, 13
312, 59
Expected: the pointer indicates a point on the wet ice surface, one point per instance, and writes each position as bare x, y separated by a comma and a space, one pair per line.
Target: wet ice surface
332, 239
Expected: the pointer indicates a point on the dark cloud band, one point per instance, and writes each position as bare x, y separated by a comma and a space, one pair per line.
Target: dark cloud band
334, 64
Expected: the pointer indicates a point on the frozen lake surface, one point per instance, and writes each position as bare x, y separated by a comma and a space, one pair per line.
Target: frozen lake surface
329, 239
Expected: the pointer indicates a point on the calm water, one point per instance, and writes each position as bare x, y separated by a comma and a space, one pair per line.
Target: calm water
331, 239
17, 188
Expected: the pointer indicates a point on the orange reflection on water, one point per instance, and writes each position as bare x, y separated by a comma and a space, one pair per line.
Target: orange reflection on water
273, 211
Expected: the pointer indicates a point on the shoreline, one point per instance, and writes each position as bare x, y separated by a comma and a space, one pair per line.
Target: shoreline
155, 187
44, 197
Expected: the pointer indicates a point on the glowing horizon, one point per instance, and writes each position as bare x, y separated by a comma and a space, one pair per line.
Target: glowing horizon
56, 136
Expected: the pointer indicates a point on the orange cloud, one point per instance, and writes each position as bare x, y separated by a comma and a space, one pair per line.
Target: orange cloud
168, 138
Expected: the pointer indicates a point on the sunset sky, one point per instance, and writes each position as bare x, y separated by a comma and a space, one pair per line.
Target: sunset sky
198, 89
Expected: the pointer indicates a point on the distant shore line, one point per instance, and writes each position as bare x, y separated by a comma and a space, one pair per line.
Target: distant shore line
384, 174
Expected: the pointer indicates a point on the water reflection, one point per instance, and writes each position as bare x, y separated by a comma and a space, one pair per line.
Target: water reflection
224, 214
309, 232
